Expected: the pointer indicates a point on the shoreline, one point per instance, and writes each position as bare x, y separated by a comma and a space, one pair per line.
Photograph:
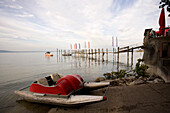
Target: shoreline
148, 98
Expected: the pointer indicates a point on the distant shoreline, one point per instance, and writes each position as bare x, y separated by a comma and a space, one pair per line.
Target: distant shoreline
7, 51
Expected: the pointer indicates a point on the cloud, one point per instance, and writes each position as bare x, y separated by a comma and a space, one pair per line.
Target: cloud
57, 24
25, 14
14, 6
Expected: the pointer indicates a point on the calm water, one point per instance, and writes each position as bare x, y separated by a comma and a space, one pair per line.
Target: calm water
18, 70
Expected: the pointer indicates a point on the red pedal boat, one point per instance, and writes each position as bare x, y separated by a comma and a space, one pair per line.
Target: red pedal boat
61, 91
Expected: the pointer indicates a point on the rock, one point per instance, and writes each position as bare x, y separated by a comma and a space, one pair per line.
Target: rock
151, 78
131, 77
140, 81
151, 82
158, 80
122, 80
131, 83
137, 82
114, 83
100, 79
108, 80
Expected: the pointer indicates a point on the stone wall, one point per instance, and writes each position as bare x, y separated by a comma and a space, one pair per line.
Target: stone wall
157, 56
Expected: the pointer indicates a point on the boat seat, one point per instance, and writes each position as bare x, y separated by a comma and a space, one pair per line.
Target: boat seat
43, 81
49, 80
55, 77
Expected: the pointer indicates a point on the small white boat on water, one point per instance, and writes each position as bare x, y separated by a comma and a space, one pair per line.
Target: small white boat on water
62, 91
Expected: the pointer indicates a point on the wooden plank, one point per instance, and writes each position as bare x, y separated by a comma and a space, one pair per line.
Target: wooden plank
124, 47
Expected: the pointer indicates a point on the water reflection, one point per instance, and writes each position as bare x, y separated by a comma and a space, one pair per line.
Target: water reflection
85, 61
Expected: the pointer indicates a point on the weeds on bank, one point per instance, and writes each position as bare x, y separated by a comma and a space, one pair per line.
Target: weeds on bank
140, 70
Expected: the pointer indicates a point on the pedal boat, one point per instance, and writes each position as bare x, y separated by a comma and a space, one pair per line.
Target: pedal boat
63, 92
48, 54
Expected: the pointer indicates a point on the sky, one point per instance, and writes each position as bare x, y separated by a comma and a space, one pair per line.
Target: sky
41, 25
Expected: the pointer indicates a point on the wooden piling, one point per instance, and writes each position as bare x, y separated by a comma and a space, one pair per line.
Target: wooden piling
102, 55
82, 53
89, 53
117, 54
107, 57
99, 54
57, 51
113, 54
95, 54
78, 53
92, 54
128, 55
132, 57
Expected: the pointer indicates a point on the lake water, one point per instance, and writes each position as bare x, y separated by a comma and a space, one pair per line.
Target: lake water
18, 70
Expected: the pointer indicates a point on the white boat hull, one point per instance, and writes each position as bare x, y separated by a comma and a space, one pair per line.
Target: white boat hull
95, 85
54, 100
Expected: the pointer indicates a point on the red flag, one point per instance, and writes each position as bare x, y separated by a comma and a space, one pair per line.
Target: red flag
74, 46
161, 23
89, 45
70, 46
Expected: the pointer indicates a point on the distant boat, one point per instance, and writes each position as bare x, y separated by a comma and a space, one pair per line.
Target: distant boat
62, 91
48, 54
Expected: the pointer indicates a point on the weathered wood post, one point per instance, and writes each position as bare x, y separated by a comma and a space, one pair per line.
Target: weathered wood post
113, 54
117, 54
128, 55
86, 53
57, 51
57, 54
102, 55
107, 57
92, 54
89, 53
61, 54
95, 54
132, 57
82, 53
99, 54
78, 53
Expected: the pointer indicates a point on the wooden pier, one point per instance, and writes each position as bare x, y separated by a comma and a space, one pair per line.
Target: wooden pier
98, 54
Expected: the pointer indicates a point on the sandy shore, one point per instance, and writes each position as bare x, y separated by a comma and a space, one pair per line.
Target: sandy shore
145, 98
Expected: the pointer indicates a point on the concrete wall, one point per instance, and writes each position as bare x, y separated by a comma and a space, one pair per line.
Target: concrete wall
156, 56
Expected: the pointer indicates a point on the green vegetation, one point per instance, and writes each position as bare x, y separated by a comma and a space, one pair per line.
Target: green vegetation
114, 75
140, 70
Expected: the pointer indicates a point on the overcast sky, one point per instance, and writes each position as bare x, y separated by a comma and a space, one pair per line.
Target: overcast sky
51, 24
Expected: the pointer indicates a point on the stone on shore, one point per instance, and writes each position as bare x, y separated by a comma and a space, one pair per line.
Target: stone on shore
99, 79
